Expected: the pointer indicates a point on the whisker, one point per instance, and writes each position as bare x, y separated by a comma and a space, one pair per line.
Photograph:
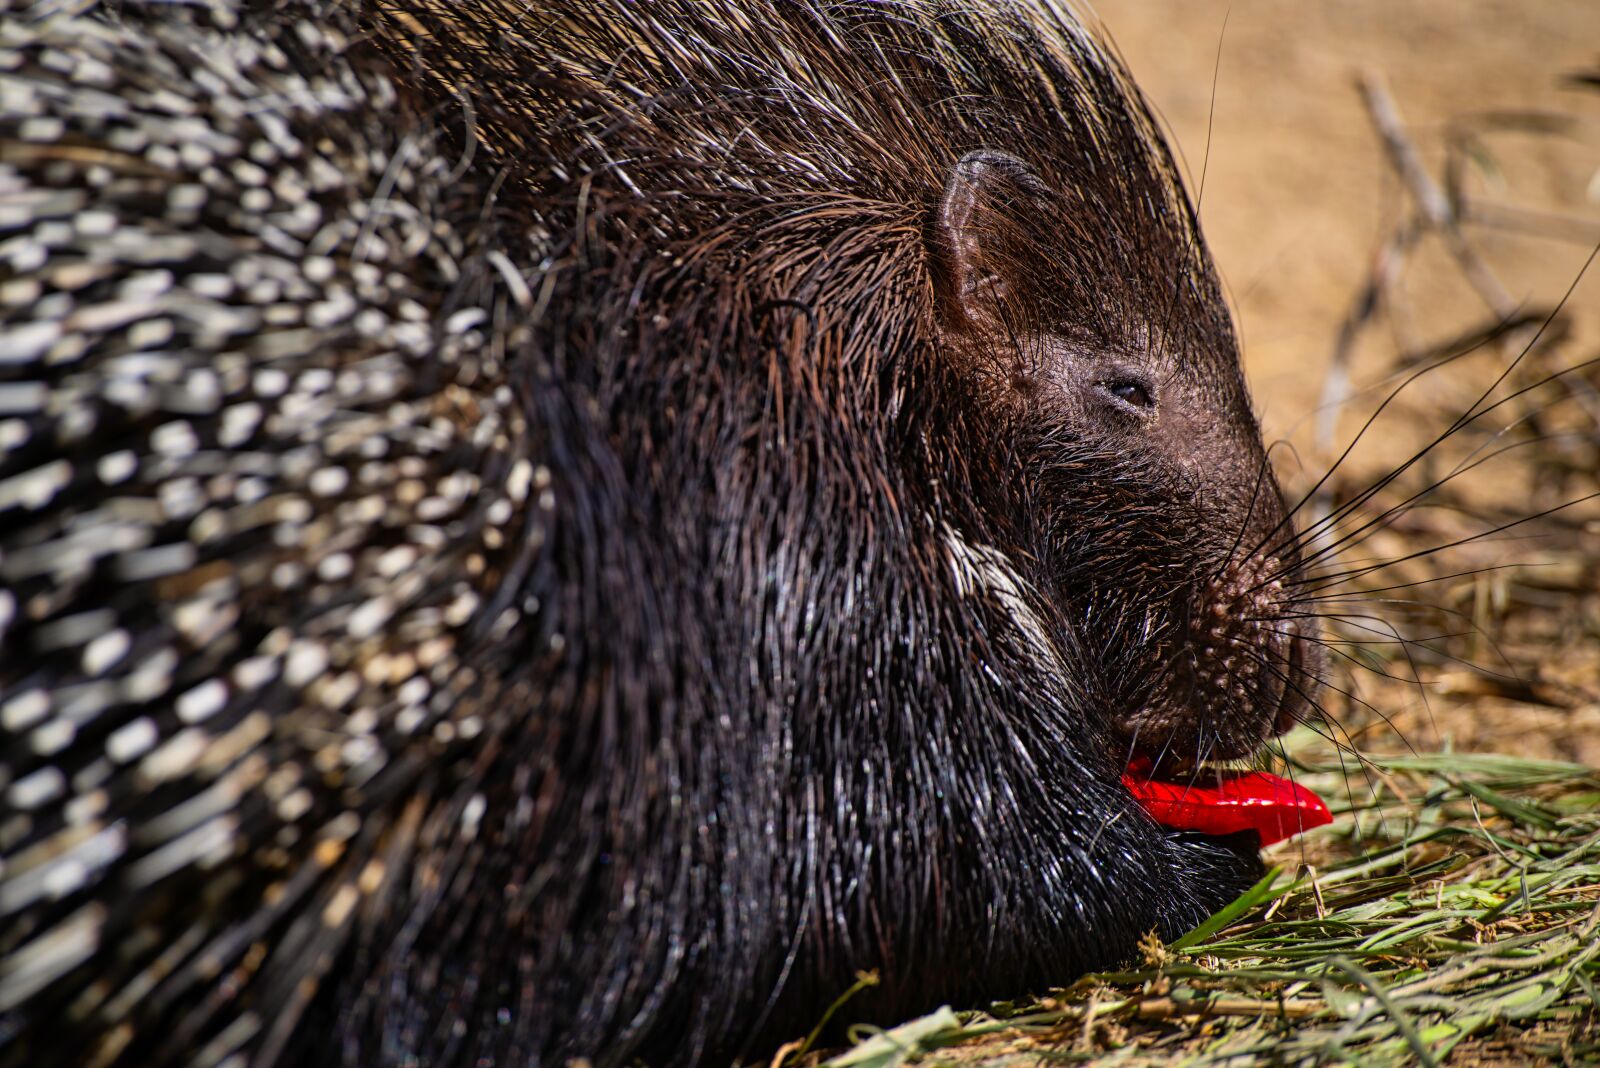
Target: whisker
1422, 553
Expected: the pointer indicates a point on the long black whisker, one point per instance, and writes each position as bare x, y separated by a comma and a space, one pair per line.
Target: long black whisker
1421, 553
1364, 594
1316, 488
1277, 670
1255, 493
1382, 519
1348, 618
1470, 415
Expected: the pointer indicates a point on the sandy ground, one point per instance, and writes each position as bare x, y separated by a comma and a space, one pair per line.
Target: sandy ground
1298, 198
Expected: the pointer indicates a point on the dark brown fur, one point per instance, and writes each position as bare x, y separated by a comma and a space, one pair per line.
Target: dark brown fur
858, 470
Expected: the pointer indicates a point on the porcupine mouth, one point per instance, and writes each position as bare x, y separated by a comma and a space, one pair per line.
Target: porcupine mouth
1219, 802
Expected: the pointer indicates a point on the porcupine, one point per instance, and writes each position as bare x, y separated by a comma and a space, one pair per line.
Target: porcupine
567, 531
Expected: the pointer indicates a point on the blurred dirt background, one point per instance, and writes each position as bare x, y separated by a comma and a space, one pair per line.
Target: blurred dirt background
1300, 205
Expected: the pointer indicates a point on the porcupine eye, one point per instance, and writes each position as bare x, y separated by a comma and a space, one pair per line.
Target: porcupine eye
1131, 393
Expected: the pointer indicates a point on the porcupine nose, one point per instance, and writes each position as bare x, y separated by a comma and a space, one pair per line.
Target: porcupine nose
1296, 689
1241, 648
1255, 655
1230, 678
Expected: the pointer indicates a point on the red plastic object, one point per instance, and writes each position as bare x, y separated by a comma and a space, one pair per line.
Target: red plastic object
1228, 802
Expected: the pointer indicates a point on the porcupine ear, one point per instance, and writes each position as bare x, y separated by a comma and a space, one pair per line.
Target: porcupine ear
984, 211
